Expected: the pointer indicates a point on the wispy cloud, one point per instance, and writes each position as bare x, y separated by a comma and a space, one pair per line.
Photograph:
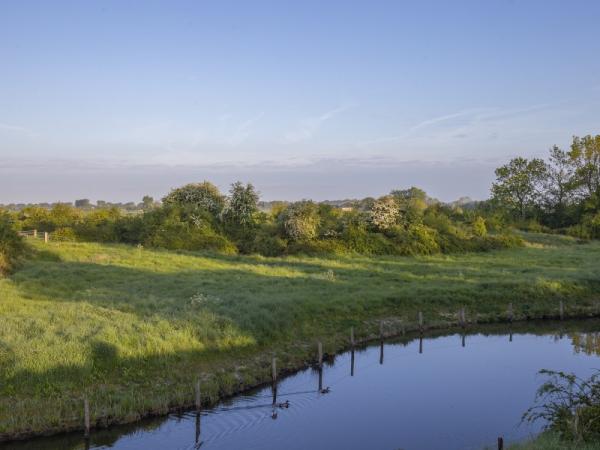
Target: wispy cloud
243, 130
309, 126
458, 124
14, 128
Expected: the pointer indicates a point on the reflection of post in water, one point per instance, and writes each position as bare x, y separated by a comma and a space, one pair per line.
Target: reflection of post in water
86, 419
198, 410
420, 344
320, 379
274, 379
197, 427
463, 340
381, 353
352, 363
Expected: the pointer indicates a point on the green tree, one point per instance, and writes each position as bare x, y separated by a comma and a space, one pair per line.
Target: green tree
412, 203
205, 196
585, 156
242, 205
518, 185
147, 202
82, 203
559, 186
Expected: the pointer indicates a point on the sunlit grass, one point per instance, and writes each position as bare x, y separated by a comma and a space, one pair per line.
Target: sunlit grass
132, 328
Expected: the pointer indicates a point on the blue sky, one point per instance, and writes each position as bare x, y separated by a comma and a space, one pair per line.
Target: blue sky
113, 100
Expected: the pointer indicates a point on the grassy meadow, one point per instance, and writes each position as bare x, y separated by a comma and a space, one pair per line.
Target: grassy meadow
132, 328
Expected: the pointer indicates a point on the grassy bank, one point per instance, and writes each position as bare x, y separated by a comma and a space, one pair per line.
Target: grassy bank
549, 441
132, 329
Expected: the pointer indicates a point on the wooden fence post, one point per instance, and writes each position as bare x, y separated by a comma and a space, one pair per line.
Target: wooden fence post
510, 312
320, 350
381, 330
34, 233
420, 321
86, 417
274, 369
198, 397
46, 237
352, 337
561, 310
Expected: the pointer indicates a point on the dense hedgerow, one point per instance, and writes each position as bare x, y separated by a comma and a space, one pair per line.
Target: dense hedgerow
199, 217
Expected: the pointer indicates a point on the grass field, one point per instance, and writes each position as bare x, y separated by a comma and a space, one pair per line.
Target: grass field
132, 329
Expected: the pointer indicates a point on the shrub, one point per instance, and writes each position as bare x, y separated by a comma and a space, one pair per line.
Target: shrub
266, 242
478, 225
165, 228
417, 239
99, 225
64, 234
300, 221
569, 405
12, 246
358, 239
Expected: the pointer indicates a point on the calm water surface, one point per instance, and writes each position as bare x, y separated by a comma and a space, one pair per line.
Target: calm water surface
451, 392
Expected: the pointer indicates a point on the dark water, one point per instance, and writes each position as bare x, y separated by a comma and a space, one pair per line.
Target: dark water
449, 392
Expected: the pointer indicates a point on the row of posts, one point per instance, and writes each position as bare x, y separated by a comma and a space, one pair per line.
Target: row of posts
46, 235
198, 401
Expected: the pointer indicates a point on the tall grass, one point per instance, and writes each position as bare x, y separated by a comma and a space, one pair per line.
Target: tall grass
133, 328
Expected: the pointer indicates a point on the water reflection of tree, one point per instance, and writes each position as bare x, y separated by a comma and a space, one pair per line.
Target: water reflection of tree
588, 343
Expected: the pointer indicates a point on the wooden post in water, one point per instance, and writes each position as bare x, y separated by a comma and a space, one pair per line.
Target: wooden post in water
500, 443
420, 321
381, 330
381, 353
463, 340
274, 370
561, 310
420, 344
352, 363
352, 337
46, 237
86, 417
320, 350
510, 312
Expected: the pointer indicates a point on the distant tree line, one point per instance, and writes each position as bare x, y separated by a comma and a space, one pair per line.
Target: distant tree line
198, 216
561, 195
